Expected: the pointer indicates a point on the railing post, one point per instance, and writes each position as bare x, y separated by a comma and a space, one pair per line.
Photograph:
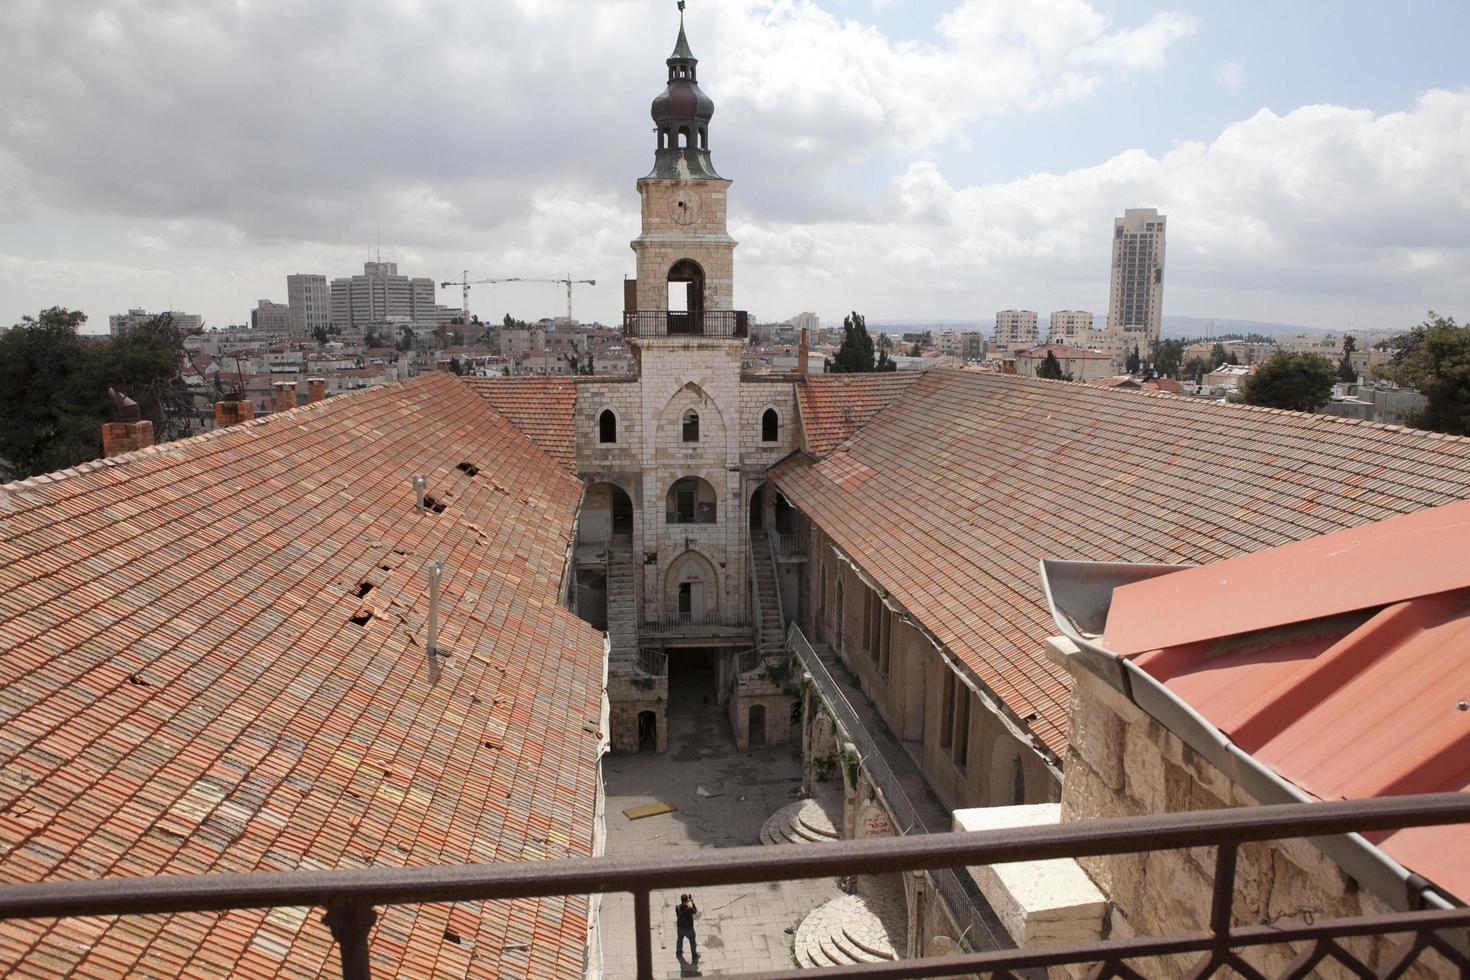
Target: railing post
1224, 896
350, 923
643, 938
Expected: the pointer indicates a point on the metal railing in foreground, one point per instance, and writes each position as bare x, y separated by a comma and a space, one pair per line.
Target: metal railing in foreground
350, 896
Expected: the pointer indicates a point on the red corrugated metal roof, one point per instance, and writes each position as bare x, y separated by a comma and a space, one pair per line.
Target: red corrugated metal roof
1341, 663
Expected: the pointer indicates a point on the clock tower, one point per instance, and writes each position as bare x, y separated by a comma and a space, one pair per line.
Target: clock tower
685, 283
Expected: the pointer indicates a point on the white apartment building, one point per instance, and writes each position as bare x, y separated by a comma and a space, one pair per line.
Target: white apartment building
1015, 329
806, 321
1324, 344
309, 301
1136, 294
120, 324
269, 317
381, 294
1069, 326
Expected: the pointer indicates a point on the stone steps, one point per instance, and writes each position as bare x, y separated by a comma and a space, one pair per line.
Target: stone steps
801, 822
848, 930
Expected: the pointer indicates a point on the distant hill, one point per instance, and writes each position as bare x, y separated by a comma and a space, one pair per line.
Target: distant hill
1199, 326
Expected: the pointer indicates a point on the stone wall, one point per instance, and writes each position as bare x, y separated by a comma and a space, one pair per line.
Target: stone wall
909, 697
1122, 762
696, 232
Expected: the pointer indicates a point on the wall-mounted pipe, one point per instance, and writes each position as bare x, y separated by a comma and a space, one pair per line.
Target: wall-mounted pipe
420, 484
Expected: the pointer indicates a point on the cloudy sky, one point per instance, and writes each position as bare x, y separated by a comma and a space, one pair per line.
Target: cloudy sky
906, 158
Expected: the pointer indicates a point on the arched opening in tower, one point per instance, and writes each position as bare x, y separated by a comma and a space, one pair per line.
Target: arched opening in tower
686, 297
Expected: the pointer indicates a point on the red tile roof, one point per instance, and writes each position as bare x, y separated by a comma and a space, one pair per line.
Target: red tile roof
834, 406
1356, 706
983, 475
544, 408
183, 687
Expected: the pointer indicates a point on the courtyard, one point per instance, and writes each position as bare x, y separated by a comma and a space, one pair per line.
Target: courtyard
740, 927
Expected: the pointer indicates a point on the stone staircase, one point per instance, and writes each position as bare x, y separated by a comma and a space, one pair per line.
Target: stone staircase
622, 605
850, 929
802, 822
773, 631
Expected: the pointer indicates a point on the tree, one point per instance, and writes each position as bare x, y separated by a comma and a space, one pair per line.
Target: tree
319, 334
1345, 369
1050, 367
1196, 368
1298, 381
456, 366
405, 338
1220, 354
370, 338
1167, 355
856, 353
1434, 357
53, 388
916, 350
1133, 363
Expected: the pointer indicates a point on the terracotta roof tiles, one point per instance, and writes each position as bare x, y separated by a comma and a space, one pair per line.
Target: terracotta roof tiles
542, 407
213, 661
834, 406
986, 474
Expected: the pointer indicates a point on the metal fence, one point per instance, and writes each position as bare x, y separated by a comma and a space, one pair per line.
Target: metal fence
654, 662
789, 545
699, 323
691, 622
351, 896
961, 896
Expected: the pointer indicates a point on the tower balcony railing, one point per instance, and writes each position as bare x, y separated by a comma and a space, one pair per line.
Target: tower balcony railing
698, 323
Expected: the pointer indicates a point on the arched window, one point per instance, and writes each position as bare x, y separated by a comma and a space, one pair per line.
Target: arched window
703, 138
770, 425
691, 426
683, 137
691, 501
607, 426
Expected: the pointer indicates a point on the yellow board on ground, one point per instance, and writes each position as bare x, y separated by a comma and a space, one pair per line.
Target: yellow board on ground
648, 810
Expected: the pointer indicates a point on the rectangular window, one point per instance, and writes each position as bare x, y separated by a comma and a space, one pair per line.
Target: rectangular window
885, 641
962, 725
946, 710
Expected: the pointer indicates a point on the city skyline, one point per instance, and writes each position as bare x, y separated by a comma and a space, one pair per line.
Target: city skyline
1300, 189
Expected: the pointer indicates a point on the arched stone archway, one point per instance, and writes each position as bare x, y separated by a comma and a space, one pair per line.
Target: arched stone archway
607, 509
686, 297
691, 592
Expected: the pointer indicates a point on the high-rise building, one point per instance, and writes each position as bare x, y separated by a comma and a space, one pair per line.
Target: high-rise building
310, 303
119, 324
1136, 296
808, 321
269, 316
381, 294
1015, 329
1069, 326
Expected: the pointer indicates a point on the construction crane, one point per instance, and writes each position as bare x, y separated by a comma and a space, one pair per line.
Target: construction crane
465, 282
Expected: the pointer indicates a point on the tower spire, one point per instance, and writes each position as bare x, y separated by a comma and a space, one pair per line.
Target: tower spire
681, 114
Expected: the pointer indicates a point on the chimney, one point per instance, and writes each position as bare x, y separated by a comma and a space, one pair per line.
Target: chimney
801, 354
316, 389
285, 396
128, 430
233, 412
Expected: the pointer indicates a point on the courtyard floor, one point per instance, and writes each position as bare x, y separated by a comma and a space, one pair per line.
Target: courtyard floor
740, 927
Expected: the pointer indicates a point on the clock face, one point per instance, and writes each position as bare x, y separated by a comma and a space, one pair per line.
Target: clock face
686, 210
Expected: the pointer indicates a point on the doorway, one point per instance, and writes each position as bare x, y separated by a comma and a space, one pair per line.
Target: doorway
757, 725
686, 298
647, 731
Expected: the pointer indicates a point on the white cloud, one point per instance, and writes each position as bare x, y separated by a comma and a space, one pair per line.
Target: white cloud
194, 154
1351, 211
1230, 76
